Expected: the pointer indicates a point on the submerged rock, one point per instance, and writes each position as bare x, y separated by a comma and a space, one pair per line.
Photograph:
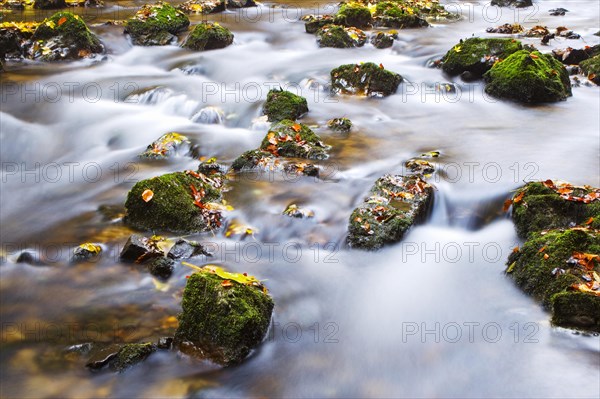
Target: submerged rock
85, 252
366, 79
156, 25
267, 162
180, 202
139, 249
224, 316
49, 4
282, 104
477, 56
183, 249
119, 357
313, 23
560, 269
394, 204
591, 68
340, 37
512, 3
340, 124
166, 145
63, 36
208, 36
296, 211
530, 77
295, 140
546, 205
382, 40
161, 267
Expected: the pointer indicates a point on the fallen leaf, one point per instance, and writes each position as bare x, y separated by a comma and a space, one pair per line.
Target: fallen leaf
546, 256
147, 195
542, 249
226, 283
296, 127
589, 221
507, 205
62, 21
519, 197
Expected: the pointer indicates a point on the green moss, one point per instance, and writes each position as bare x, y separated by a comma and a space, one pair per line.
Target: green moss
250, 159
282, 104
131, 354
576, 310
340, 37
529, 77
202, 6
208, 36
354, 14
223, 323
313, 23
156, 24
398, 15
63, 36
394, 204
340, 124
290, 139
364, 79
172, 205
541, 208
477, 56
591, 68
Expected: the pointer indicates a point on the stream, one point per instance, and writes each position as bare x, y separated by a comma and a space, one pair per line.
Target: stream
432, 316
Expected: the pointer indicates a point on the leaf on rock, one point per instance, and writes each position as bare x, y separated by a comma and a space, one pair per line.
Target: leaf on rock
147, 195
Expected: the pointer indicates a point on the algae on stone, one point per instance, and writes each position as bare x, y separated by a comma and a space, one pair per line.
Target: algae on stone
156, 24
282, 104
366, 79
337, 36
530, 77
208, 36
222, 319
591, 68
296, 140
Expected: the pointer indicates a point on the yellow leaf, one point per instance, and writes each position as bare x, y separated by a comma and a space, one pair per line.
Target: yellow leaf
93, 248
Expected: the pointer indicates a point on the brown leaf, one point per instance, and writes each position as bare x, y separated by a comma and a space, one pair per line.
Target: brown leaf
147, 195
226, 283
519, 197
507, 205
546, 256
542, 249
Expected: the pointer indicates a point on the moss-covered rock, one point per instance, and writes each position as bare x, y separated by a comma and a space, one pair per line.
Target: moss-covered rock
267, 162
167, 145
354, 14
202, 6
156, 24
130, 355
398, 15
512, 3
591, 68
63, 36
366, 79
177, 202
477, 56
530, 77
540, 206
49, 4
340, 124
282, 104
295, 140
560, 269
340, 37
161, 267
394, 204
222, 319
313, 23
572, 56
208, 36
382, 40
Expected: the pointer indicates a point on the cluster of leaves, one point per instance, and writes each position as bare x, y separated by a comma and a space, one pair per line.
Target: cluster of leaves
507, 29
587, 262
202, 6
229, 278
21, 27
569, 192
165, 145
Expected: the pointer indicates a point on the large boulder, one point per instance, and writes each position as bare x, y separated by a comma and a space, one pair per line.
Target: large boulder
529, 77
224, 315
340, 37
366, 79
560, 268
476, 56
282, 104
182, 202
156, 24
546, 205
591, 68
394, 204
63, 36
208, 36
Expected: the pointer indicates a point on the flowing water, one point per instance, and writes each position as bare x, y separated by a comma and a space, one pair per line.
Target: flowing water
433, 316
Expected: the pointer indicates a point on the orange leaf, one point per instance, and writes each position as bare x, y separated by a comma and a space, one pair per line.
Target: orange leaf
564, 190
296, 127
381, 66
507, 205
226, 283
533, 56
147, 195
519, 197
542, 249
589, 221
546, 256
516, 249
62, 21
548, 183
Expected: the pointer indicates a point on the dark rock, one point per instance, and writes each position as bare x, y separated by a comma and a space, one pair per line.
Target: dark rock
530, 77
130, 355
268, 163
395, 203
167, 145
313, 23
571, 56
340, 124
382, 40
49, 4
138, 249
203, 6
208, 36
224, 316
591, 68
507, 29
13, 37
558, 11
86, 252
161, 267
165, 343
366, 79
100, 356
184, 249
290, 139
354, 14
282, 104
512, 3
